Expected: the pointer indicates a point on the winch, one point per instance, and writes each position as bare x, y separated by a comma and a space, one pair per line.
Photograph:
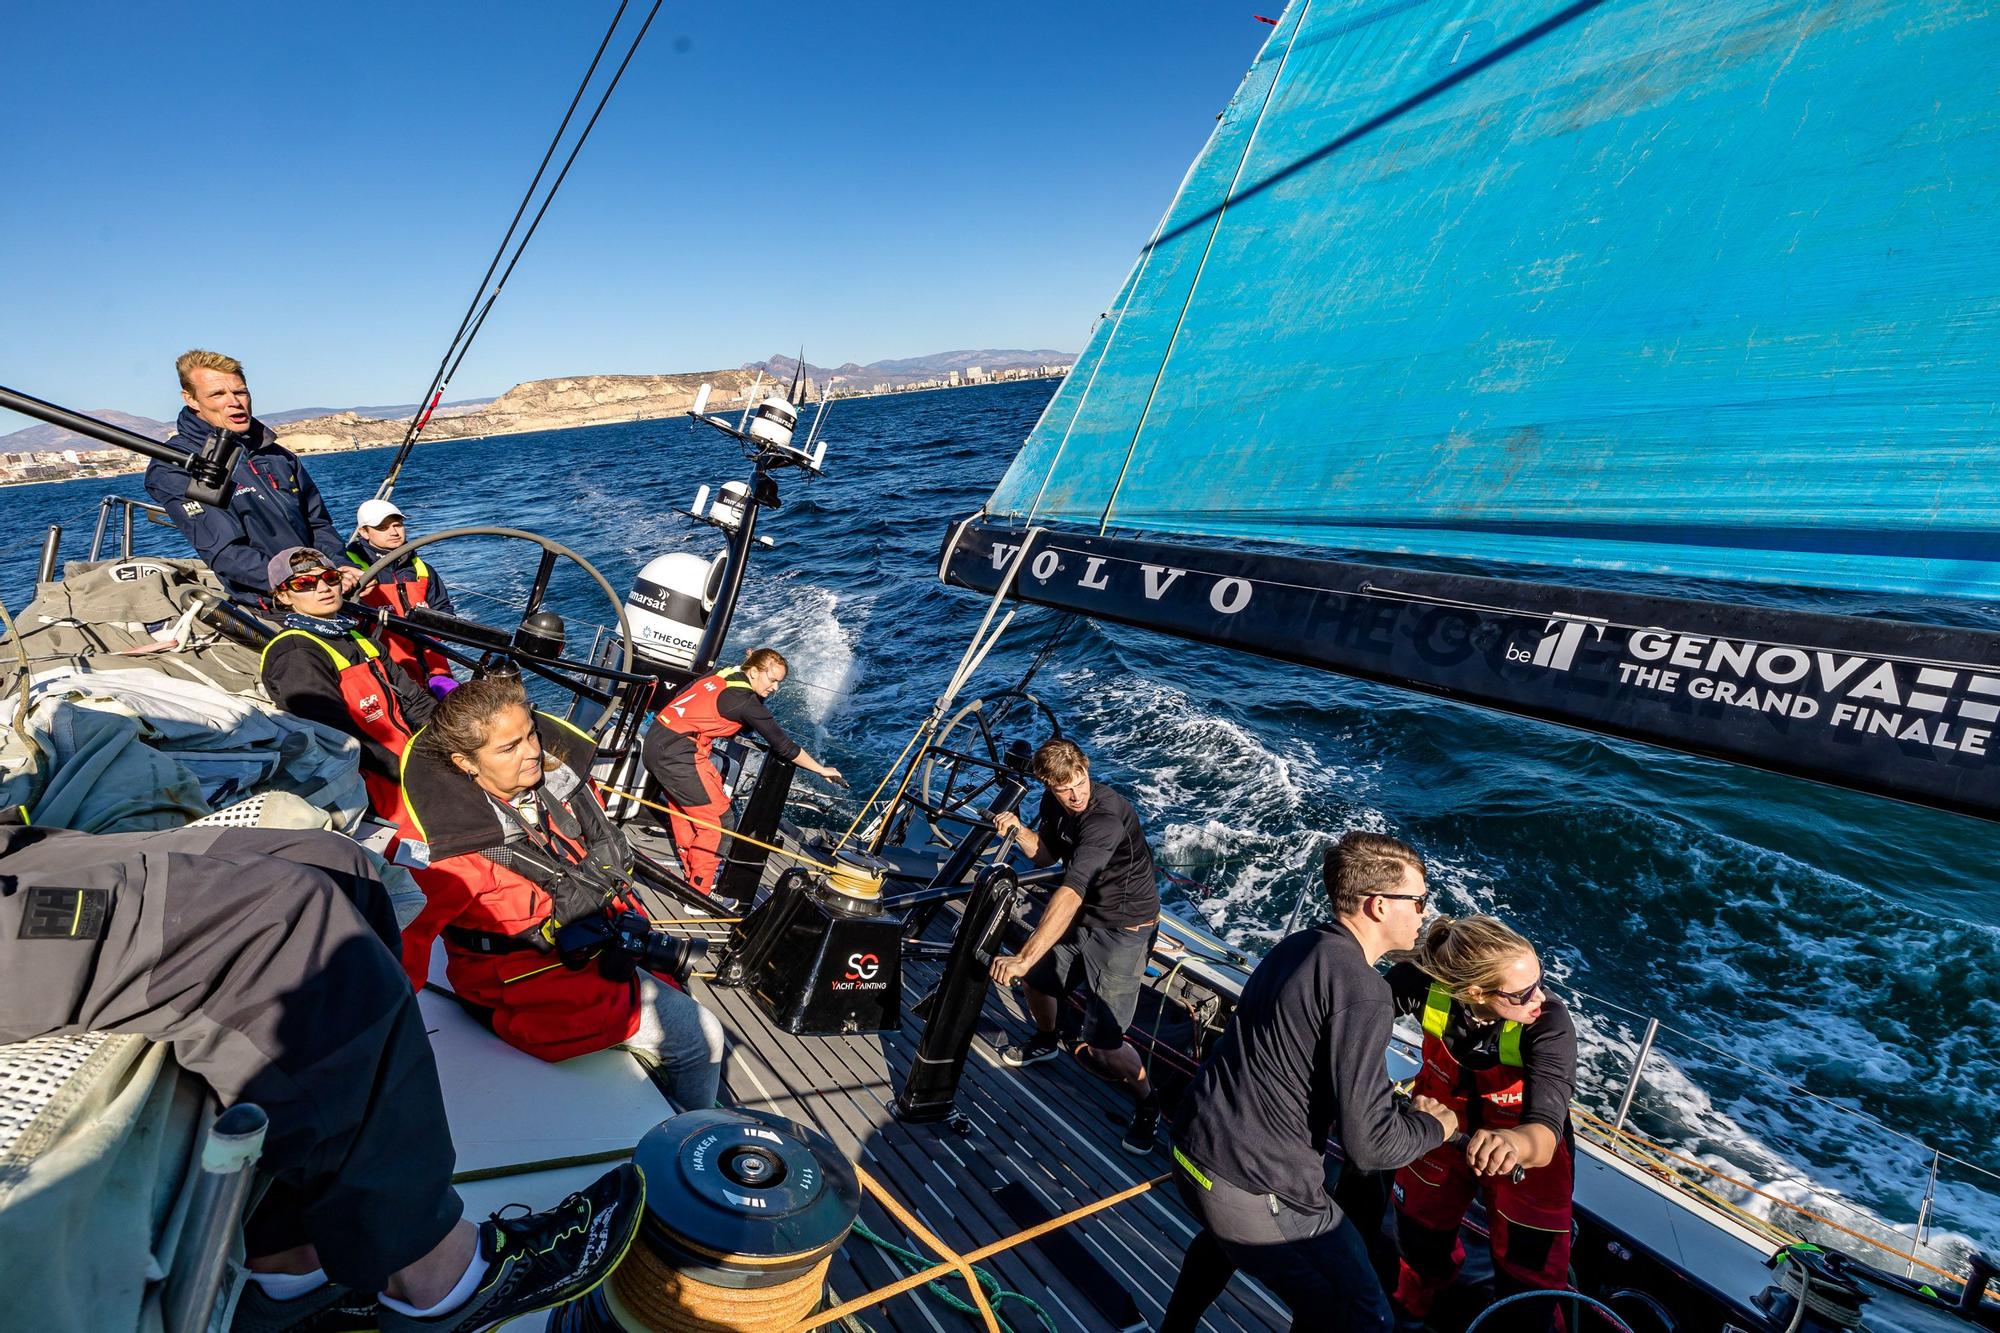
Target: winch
823, 956
744, 1211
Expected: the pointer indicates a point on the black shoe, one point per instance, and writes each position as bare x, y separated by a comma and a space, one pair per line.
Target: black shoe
1042, 1046
544, 1259
1144, 1129
328, 1308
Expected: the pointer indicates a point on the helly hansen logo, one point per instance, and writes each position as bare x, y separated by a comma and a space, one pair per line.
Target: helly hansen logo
65, 914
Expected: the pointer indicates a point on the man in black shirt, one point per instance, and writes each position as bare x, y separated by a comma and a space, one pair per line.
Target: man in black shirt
1303, 1056
1098, 927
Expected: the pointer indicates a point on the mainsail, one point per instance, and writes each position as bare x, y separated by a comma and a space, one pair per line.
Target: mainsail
1702, 291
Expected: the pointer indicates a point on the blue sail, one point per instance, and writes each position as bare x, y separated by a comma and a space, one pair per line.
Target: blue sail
1702, 289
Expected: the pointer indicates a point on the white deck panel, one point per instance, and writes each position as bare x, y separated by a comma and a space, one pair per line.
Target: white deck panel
507, 1108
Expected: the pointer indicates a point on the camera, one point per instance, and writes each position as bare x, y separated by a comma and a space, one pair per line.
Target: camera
626, 941
677, 956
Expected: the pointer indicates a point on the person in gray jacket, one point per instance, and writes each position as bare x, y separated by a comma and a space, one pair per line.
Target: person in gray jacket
1303, 1056
267, 959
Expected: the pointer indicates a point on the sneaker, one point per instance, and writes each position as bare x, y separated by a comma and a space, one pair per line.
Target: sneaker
330, 1308
544, 1259
1042, 1046
1141, 1134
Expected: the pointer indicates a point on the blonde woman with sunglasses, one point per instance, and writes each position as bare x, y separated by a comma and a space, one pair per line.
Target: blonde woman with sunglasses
1500, 1051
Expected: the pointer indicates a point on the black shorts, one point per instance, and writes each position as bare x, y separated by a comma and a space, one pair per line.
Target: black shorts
1110, 962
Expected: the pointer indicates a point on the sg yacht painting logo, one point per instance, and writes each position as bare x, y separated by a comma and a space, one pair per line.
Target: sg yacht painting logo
861, 974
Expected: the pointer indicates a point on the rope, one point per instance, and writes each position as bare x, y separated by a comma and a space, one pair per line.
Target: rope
728, 832
912, 1262
1555, 1295
462, 342
1200, 268
915, 1280
1788, 1085
1606, 1127
852, 880
895, 1209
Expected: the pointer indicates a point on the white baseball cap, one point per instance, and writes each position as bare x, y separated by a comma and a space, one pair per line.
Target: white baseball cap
374, 513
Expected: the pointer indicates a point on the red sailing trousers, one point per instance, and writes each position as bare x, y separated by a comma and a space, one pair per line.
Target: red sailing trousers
1529, 1225
699, 847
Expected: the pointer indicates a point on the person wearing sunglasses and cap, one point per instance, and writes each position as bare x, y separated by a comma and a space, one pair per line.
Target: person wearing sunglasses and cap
1500, 1051
379, 528
323, 667
1302, 1057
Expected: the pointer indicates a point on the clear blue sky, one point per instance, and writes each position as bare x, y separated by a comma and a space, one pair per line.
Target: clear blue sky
316, 188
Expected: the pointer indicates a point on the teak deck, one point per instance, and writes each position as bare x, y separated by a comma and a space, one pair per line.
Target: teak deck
1051, 1131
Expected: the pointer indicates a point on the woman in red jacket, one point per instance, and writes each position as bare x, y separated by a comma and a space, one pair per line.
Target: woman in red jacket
1500, 1051
516, 858
677, 753
324, 667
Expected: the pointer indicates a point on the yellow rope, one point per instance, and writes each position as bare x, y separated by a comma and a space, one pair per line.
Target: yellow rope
862, 814
915, 1280
1605, 1127
895, 1209
725, 832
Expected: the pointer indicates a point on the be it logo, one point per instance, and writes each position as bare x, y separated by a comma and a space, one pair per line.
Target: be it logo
862, 967
1561, 637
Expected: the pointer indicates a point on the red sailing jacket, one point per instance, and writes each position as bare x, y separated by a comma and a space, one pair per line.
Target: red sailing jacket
694, 711
1502, 1089
372, 705
539, 1004
399, 595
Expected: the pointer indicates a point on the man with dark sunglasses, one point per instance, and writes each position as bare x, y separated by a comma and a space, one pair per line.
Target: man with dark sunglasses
324, 667
1304, 1057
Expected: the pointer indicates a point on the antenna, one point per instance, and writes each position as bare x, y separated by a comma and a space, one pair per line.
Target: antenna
798, 371
700, 400
743, 422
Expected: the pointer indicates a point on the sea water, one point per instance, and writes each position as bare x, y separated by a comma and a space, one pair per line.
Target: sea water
1826, 963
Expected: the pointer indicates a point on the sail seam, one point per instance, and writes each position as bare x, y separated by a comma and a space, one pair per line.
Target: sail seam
1138, 275
1201, 267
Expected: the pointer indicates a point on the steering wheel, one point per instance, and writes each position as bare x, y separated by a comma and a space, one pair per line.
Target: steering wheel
570, 675
972, 744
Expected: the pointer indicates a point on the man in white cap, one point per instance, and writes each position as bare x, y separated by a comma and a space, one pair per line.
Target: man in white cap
379, 528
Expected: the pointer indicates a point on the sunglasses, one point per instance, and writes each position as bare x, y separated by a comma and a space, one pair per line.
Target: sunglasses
1422, 900
1521, 996
318, 578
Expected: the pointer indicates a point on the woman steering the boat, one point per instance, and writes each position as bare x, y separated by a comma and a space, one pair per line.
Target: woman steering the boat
1500, 1051
678, 748
323, 667
524, 877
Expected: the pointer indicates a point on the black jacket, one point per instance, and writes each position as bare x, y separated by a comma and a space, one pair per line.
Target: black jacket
275, 506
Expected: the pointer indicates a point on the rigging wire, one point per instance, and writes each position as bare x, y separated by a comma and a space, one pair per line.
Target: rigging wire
469, 325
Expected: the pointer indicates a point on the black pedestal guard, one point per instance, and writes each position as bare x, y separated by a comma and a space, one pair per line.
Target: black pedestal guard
820, 963
931, 1091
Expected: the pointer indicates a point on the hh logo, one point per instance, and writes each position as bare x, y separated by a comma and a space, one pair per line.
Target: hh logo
1561, 637
862, 967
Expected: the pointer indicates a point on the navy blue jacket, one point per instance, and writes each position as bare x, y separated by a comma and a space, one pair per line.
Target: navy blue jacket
275, 506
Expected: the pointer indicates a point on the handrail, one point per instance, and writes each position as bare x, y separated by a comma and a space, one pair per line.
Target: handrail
1829, 1103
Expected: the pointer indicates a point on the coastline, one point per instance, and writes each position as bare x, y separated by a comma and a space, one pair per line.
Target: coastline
129, 465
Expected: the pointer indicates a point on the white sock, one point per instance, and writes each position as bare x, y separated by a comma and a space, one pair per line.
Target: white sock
289, 1286
468, 1282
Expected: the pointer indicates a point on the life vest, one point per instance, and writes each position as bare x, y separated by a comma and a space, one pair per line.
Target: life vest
398, 596
371, 704
1501, 1089
488, 910
696, 712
